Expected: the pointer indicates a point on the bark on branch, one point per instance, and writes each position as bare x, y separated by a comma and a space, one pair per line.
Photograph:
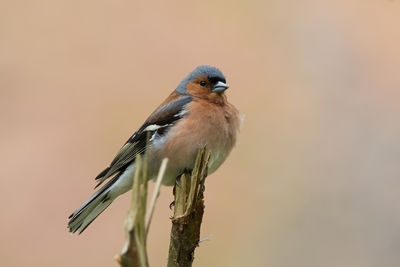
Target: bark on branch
188, 213
186, 222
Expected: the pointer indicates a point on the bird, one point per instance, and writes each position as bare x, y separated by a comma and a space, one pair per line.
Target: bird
195, 115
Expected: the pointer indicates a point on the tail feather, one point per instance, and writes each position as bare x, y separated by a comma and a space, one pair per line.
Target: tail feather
102, 174
92, 216
88, 211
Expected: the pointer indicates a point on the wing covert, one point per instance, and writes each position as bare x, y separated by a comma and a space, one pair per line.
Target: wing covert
159, 123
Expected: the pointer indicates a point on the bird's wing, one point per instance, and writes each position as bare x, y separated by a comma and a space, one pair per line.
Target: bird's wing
158, 123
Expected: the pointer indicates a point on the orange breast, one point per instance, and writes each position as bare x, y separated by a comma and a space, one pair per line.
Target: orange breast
207, 124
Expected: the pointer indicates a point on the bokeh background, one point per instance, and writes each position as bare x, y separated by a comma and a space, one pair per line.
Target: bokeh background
314, 179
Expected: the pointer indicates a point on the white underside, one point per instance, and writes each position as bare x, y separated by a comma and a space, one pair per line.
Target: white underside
124, 182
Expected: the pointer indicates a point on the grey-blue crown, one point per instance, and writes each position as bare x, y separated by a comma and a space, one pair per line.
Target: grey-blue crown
204, 70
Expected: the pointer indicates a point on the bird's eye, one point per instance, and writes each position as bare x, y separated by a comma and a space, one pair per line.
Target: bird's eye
203, 83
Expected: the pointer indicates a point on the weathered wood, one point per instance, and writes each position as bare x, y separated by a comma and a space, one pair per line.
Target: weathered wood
188, 213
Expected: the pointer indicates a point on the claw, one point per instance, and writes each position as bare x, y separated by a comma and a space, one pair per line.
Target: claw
171, 205
177, 182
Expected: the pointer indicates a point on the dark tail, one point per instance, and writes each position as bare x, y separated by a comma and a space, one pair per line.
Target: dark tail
88, 211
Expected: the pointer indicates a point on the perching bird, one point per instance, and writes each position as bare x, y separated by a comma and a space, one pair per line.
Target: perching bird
194, 115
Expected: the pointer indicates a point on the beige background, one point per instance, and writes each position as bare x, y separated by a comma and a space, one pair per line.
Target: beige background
314, 180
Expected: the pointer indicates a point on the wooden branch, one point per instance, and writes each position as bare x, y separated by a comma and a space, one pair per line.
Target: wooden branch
186, 222
134, 251
156, 194
188, 213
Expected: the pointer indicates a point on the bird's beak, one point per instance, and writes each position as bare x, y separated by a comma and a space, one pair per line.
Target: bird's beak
219, 87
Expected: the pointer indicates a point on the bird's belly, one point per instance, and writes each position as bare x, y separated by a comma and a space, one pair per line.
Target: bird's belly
182, 145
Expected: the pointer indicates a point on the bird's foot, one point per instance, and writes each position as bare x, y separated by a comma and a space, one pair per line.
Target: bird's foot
171, 205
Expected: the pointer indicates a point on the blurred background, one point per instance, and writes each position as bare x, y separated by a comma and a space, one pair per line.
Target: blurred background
314, 179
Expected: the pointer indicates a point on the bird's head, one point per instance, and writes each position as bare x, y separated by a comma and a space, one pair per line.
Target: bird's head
204, 81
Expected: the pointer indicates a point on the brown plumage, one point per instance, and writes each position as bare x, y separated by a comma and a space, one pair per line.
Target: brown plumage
211, 122
195, 115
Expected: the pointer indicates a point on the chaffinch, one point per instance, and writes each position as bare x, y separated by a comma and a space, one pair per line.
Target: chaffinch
194, 115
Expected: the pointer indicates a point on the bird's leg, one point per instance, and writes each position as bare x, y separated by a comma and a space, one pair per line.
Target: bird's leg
172, 204
178, 178
186, 172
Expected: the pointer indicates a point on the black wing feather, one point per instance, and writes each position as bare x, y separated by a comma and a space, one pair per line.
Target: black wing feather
165, 117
